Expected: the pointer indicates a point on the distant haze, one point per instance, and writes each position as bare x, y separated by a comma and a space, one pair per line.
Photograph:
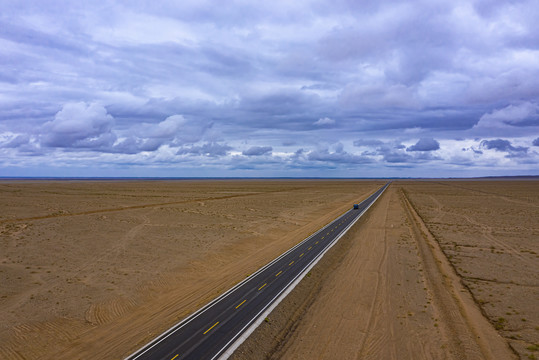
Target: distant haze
281, 88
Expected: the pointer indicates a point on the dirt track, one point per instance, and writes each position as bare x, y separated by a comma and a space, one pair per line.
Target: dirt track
386, 291
435, 270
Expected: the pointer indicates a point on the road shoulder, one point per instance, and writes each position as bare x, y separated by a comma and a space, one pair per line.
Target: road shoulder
372, 296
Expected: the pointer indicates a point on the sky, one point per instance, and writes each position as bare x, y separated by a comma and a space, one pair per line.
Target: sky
269, 89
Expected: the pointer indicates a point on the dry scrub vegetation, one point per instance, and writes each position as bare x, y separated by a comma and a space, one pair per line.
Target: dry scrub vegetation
489, 231
389, 290
96, 269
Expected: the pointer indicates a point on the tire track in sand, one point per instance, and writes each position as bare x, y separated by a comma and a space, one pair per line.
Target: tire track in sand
142, 206
342, 315
469, 333
375, 345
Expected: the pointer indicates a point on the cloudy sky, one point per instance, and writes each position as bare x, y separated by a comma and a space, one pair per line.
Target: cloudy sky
275, 88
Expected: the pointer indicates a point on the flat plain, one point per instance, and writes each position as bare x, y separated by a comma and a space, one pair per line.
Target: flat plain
436, 269
96, 269
489, 232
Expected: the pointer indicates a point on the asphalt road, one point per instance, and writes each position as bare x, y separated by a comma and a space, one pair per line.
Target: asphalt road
208, 333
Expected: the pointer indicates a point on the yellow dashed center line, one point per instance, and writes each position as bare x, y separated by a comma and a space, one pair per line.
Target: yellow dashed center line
260, 288
290, 263
310, 248
316, 242
241, 304
301, 254
214, 325
175, 356
279, 273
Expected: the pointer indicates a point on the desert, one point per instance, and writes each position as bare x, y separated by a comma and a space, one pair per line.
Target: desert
96, 269
179, 180
436, 269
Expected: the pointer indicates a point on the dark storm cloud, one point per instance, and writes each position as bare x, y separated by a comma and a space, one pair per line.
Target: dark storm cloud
425, 144
257, 150
397, 157
17, 141
502, 145
339, 157
291, 110
523, 114
396, 153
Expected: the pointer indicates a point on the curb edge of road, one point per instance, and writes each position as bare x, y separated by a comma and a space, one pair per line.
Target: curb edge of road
287, 290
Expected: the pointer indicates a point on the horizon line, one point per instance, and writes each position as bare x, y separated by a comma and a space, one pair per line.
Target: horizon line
252, 178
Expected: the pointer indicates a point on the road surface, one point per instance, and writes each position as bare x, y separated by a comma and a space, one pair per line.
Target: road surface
217, 329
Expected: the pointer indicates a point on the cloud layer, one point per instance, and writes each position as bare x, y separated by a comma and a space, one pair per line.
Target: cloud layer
314, 88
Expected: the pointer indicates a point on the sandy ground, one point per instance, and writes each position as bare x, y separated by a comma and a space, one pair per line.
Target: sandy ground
435, 270
397, 286
489, 232
94, 270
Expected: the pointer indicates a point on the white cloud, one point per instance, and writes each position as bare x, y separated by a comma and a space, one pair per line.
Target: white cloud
168, 128
523, 114
325, 121
175, 130
189, 79
79, 125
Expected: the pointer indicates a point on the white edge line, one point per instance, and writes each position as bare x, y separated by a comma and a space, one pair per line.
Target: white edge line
192, 316
237, 341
